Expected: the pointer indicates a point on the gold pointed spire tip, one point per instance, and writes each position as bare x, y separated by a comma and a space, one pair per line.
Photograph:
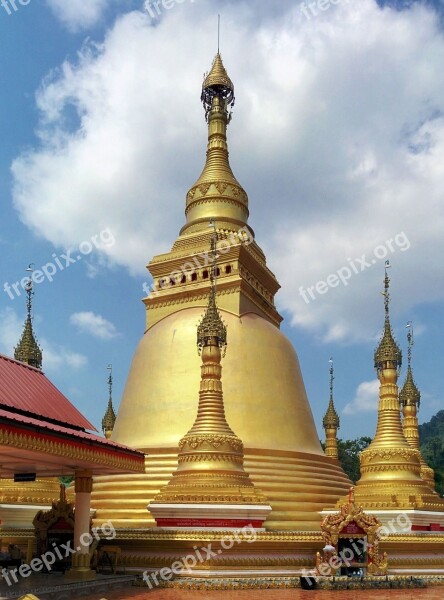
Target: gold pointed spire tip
28, 350
212, 329
217, 84
331, 418
388, 350
409, 393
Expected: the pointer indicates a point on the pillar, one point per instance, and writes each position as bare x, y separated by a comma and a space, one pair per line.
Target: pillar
81, 559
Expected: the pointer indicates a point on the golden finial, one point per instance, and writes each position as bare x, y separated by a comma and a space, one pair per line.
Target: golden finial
388, 350
28, 350
218, 85
409, 394
109, 419
212, 330
331, 418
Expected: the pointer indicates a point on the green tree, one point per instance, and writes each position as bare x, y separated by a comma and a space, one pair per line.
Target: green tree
348, 454
431, 438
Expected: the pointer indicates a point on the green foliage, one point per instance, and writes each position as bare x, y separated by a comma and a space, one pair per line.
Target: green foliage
66, 480
431, 438
348, 454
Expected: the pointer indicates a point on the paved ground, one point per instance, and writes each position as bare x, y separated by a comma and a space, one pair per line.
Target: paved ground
436, 593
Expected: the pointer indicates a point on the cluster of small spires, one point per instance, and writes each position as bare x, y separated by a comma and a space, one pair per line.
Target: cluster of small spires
387, 353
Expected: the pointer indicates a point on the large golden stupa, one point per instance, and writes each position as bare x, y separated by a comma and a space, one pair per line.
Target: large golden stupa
265, 399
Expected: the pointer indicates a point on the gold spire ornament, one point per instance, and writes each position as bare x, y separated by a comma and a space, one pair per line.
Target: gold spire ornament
210, 467
217, 192
109, 419
28, 350
388, 351
331, 422
410, 398
390, 467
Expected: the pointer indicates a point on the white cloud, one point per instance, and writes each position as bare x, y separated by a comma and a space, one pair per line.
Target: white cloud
337, 136
78, 14
11, 328
95, 325
55, 356
365, 400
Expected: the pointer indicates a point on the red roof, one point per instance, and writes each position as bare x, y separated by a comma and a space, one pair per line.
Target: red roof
28, 390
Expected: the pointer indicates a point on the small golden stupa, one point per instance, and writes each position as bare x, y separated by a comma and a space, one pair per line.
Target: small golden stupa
210, 487
410, 398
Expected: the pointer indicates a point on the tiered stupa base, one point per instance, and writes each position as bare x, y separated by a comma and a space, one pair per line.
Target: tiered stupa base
297, 485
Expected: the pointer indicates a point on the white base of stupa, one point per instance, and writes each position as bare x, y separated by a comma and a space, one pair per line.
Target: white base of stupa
209, 516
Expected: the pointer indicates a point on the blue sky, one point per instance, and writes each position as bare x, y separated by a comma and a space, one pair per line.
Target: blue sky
337, 136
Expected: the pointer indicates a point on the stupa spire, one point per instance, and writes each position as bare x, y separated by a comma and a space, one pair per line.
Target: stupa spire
331, 421
217, 194
28, 350
109, 418
410, 398
388, 351
390, 467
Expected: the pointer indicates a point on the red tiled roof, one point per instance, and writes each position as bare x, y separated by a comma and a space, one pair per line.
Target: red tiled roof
28, 390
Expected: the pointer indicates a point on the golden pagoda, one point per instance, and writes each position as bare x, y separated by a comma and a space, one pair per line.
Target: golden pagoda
331, 422
390, 466
410, 399
109, 418
264, 394
210, 487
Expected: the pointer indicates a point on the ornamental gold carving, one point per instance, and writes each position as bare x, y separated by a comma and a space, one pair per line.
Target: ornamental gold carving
80, 452
214, 440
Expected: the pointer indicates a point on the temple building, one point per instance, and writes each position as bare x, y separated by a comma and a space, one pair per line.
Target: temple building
27, 497
221, 441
